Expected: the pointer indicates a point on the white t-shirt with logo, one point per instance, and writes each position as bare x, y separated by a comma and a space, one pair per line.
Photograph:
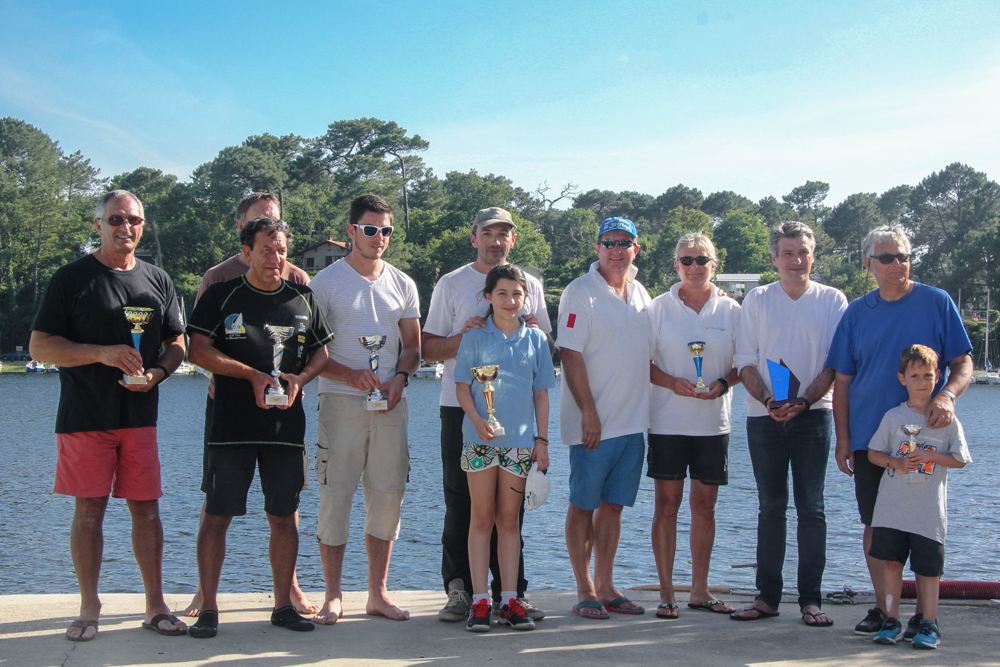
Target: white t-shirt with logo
798, 332
672, 326
612, 334
457, 297
355, 306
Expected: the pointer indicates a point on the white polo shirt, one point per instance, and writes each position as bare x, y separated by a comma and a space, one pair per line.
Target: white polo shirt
672, 326
457, 297
798, 332
355, 306
612, 334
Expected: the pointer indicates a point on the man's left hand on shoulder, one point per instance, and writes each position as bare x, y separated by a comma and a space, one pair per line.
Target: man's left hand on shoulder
941, 411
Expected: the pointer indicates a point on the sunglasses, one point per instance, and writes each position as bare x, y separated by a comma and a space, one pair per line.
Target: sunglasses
621, 243
372, 230
887, 258
688, 261
119, 220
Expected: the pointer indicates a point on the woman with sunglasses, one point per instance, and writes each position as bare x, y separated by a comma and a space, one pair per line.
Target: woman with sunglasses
689, 424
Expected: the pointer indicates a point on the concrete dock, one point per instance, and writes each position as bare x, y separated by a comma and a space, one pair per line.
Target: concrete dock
32, 631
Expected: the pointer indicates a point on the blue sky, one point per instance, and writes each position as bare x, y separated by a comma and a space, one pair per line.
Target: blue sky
756, 97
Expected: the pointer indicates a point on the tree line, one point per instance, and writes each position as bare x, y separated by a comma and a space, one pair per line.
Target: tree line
47, 199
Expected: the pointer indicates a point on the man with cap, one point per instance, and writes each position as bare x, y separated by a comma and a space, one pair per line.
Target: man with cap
458, 304
604, 343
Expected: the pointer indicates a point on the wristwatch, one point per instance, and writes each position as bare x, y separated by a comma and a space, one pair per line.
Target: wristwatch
406, 377
947, 392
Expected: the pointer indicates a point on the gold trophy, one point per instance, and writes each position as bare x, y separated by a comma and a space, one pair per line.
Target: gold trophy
485, 375
137, 317
373, 344
272, 395
697, 347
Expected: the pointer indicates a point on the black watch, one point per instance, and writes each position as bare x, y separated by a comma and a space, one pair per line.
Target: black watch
406, 377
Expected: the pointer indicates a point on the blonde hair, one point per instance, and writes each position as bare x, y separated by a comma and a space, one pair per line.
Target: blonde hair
696, 240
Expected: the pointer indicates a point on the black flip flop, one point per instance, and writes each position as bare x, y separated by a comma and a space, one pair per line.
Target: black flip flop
154, 625
83, 624
818, 624
760, 614
207, 625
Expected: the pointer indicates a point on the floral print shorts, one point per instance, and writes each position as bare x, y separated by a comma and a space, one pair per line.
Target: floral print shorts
477, 456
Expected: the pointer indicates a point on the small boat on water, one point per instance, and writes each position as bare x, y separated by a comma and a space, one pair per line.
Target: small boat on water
989, 377
34, 366
432, 371
185, 369
51, 368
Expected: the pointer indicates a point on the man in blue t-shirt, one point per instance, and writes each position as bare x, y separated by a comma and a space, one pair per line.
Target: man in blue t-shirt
865, 353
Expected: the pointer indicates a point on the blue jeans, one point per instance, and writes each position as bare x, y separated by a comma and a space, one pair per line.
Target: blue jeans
803, 442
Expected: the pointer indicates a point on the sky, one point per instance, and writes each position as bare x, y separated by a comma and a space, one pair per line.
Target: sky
755, 97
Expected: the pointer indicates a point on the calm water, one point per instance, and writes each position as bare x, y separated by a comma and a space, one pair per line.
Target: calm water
34, 525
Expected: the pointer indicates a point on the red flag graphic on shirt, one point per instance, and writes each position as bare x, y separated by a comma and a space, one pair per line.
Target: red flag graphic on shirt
571, 320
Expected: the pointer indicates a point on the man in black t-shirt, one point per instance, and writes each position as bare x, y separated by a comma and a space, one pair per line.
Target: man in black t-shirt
232, 331
105, 426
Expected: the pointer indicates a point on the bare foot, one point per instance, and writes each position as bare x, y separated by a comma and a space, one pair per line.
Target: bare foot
330, 612
381, 605
194, 608
301, 602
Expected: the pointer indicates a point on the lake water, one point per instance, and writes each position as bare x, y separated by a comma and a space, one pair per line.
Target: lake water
34, 526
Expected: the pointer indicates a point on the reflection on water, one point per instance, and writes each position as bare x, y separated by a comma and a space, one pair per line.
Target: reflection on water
34, 525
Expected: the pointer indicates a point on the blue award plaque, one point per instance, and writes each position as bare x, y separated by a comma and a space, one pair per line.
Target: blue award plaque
784, 385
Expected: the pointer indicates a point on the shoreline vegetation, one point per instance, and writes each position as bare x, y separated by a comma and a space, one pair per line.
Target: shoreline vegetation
47, 196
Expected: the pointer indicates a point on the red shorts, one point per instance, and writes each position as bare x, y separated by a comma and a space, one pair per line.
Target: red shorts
123, 463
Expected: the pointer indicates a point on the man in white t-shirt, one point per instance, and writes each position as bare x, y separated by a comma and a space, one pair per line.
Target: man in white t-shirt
458, 304
364, 296
785, 333
604, 410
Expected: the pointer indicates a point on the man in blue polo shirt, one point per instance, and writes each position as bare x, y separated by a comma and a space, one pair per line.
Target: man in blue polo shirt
865, 353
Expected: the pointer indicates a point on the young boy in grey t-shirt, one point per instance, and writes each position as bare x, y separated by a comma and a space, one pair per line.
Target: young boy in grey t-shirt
911, 513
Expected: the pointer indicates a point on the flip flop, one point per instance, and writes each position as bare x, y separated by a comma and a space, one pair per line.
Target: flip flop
816, 623
707, 606
616, 606
668, 607
83, 625
590, 604
760, 614
207, 625
154, 625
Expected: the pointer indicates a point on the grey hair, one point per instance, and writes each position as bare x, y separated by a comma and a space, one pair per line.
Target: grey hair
696, 240
885, 234
790, 230
115, 194
250, 200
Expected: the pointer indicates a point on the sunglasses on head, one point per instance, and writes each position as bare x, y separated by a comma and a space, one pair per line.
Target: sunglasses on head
887, 258
372, 230
621, 243
119, 220
688, 261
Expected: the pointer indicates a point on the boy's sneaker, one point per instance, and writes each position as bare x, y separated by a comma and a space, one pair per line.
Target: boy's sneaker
891, 631
479, 617
533, 612
513, 614
913, 627
872, 623
457, 608
929, 636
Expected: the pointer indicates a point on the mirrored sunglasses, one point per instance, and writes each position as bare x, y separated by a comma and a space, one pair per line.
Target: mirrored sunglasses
887, 258
688, 261
372, 230
119, 220
621, 243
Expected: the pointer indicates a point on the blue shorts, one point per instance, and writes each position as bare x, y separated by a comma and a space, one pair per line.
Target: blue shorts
610, 473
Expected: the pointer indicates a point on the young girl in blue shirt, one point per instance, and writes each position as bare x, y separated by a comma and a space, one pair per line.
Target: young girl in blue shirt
498, 464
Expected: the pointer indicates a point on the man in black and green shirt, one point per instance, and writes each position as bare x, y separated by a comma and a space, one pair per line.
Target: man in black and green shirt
229, 338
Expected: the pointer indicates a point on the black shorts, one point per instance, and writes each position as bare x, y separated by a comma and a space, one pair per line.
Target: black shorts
867, 477
229, 471
926, 555
707, 456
